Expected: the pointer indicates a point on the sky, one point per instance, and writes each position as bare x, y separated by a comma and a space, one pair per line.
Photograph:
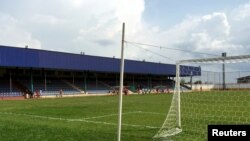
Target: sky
94, 27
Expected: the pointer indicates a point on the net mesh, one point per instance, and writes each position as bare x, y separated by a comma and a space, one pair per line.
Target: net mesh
207, 97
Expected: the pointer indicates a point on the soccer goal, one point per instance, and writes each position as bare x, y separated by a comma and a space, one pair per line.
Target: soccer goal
207, 91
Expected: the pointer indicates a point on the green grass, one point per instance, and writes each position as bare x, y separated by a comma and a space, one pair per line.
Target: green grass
214, 107
95, 118
30, 120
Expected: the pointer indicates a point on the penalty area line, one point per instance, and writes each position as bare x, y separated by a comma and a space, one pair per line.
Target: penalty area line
78, 120
110, 115
135, 112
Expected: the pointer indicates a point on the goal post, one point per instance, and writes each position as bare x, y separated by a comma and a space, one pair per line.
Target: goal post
201, 97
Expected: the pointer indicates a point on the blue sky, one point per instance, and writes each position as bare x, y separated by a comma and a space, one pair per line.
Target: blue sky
94, 26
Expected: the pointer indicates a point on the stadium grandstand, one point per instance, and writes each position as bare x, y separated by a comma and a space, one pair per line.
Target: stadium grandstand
31, 71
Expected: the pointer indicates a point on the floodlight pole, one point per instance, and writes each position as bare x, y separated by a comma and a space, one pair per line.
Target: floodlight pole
177, 87
121, 86
224, 54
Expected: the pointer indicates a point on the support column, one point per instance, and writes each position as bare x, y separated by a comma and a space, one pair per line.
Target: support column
45, 81
10, 82
73, 80
191, 80
161, 80
148, 82
31, 81
133, 81
96, 81
85, 83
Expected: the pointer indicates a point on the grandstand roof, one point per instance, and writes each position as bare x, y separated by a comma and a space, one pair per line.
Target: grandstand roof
34, 58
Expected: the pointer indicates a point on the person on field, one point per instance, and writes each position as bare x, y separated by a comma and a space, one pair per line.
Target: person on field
126, 91
60, 92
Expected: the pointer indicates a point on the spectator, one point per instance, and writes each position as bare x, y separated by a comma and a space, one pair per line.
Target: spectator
60, 92
126, 91
26, 94
157, 90
32, 94
37, 94
40, 92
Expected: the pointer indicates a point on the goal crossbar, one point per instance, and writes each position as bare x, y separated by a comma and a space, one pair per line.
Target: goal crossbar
229, 59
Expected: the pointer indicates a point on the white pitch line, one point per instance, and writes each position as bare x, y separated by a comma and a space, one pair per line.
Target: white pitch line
79, 120
135, 112
115, 124
153, 113
30, 115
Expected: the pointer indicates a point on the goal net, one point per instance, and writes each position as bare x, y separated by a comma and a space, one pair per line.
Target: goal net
207, 92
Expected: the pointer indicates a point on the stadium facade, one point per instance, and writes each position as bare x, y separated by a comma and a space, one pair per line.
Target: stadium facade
26, 69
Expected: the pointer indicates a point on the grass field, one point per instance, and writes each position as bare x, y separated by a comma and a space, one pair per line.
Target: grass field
82, 119
95, 118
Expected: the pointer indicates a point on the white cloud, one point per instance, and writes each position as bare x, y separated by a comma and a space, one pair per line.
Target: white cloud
46, 19
212, 33
103, 36
94, 27
77, 3
240, 13
12, 35
240, 33
208, 34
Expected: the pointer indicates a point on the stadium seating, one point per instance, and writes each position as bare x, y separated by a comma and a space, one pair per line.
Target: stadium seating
20, 86
5, 89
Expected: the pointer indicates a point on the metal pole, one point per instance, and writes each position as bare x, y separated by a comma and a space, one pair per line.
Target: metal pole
73, 79
121, 86
224, 54
178, 95
10, 83
85, 83
31, 81
191, 80
133, 80
45, 82
148, 82
96, 81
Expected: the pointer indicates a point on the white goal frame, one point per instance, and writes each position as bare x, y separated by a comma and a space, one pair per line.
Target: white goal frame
177, 95
229, 59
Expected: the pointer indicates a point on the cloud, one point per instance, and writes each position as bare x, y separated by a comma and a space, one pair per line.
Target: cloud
104, 42
46, 19
13, 35
241, 12
209, 34
239, 19
105, 25
212, 33
94, 27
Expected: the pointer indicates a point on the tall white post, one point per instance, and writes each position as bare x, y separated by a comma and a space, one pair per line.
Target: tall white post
121, 86
178, 95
